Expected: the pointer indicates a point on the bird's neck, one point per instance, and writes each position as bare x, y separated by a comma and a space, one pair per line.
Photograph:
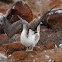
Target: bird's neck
25, 27
25, 30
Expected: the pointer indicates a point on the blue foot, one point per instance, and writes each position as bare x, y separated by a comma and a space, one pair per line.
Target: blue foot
29, 50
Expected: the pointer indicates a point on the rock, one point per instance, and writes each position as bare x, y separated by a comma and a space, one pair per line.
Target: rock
37, 48
45, 29
35, 6
22, 9
51, 3
40, 48
3, 58
6, 1
56, 2
50, 45
53, 19
3, 39
1, 23
15, 38
7, 49
45, 33
22, 55
48, 35
16, 56
45, 56
60, 45
2, 10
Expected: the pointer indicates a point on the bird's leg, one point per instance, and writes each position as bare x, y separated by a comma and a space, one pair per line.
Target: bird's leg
29, 50
32, 48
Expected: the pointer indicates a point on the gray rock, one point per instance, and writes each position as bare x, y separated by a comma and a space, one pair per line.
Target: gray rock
3, 58
15, 38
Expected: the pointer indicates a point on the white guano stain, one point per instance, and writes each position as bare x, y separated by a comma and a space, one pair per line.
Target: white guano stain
46, 56
50, 13
60, 45
13, 7
50, 60
58, 11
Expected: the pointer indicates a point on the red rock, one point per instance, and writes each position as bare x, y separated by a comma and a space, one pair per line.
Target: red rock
56, 2
49, 45
24, 56
3, 39
37, 48
11, 47
35, 13
22, 9
19, 55
45, 56
35, 5
53, 20
6, 1
51, 3
2, 10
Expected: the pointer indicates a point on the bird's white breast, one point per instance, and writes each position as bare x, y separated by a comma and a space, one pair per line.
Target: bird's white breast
27, 41
31, 39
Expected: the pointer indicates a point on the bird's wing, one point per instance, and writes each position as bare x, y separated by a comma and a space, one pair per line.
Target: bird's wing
34, 37
37, 37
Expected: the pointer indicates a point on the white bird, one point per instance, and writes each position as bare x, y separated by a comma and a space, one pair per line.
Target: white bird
28, 36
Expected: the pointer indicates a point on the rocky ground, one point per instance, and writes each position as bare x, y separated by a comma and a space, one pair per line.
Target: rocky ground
47, 49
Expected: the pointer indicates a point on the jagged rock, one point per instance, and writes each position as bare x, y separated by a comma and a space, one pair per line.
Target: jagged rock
50, 45
7, 49
3, 39
51, 3
15, 38
38, 48
17, 55
47, 35
3, 58
22, 55
54, 19
6, 1
22, 9
1, 23
45, 56
2, 10
36, 7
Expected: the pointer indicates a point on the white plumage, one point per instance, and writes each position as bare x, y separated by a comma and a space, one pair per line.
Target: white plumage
30, 39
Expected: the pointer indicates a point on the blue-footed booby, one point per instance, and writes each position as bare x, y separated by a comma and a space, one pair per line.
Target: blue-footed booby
28, 36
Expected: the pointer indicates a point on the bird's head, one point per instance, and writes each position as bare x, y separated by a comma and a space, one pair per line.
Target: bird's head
22, 20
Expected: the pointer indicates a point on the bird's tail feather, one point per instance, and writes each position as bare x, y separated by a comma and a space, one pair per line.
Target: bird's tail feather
37, 35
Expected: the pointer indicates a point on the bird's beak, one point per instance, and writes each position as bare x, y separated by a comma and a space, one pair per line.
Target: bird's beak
22, 21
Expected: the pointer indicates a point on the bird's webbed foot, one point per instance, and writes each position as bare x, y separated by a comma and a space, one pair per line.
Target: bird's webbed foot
29, 50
